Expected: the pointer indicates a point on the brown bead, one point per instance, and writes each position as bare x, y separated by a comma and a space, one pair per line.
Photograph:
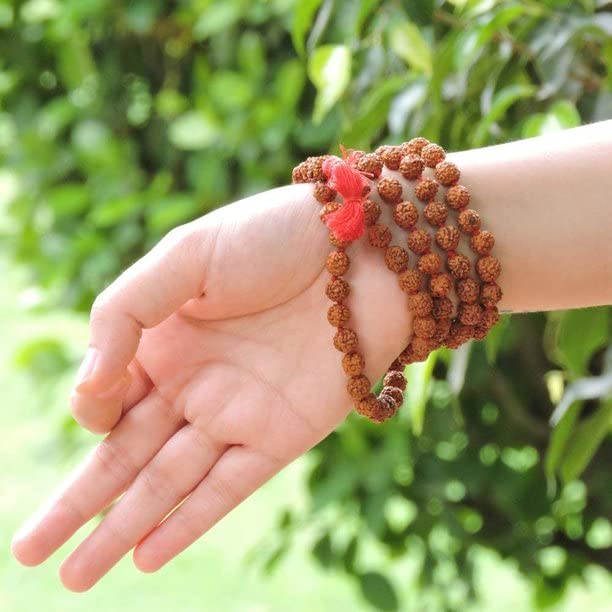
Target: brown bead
328, 208
435, 213
419, 241
440, 284
339, 244
396, 366
443, 326
432, 154
369, 407
298, 175
458, 265
337, 263
469, 221
406, 215
482, 243
411, 166
421, 347
424, 327
394, 393
469, 314
490, 294
407, 356
459, 334
410, 280
345, 340
415, 145
387, 407
447, 237
430, 263
379, 236
447, 173
457, 197
372, 212
490, 317
371, 164
358, 386
395, 379
338, 315
442, 307
324, 194
353, 363
480, 332
391, 156
313, 169
426, 189
396, 258
468, 290
488, 268
390, 190
420, 303
337, 289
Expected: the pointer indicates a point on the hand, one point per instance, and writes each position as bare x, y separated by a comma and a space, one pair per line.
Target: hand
211, 363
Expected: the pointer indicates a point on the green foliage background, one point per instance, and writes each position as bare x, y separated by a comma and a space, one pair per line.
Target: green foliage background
119, 121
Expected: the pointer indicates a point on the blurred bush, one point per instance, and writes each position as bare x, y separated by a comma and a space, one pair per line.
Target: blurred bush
119, 121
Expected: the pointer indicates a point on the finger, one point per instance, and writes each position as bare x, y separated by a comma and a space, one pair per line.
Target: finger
171, 475
104, 475
142, 297
238, 473
140, 386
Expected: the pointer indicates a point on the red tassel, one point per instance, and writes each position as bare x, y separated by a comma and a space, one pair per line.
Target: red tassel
348, 222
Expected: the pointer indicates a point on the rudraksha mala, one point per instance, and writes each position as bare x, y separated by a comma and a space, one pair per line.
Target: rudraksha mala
343, 186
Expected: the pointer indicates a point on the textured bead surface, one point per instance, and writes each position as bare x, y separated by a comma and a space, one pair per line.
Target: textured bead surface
432, 154
490, 317
447, 237
337, 263
430, 263
410, 280
390, 190
391, 156
372, 212
447, 173
324, 194
368, 407
482, 243
395, 379
313, 168
459, 265
358, 386
469, 314
468, 290
440, 284
426, 189
371, 164
420, 303
469, 221
424, 327
338, 314
421, 347
379, 236
353, 363
490, 294
435, 213
415, 145
411, 167
458, 334
443, 326
442, 307
419, 241
457, 197
394, 393
337, 289
396, 258
340, 244
406, 214
345, 340
328, 208
488, 268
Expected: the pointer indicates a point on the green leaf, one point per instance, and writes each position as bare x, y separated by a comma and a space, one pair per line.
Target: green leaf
69, 199
581, 332
559, 439
304, 14
43, 358
495, 337
323, 551
585, 442
378, 591
417, 392
408, 43
329, 68
192, 131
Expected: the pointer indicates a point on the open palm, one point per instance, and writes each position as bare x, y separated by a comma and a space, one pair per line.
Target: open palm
213, 368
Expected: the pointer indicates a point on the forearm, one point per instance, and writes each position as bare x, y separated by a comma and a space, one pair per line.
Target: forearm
548, 201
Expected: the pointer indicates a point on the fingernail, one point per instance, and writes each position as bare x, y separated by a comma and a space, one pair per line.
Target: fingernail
87, 368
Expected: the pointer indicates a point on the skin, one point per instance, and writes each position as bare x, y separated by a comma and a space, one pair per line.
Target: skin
211, 361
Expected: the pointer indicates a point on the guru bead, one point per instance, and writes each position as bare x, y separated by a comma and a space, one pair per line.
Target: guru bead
338, 314
353, 363
468, 290
435, 213
420, 303
457, 197
488, 268
390, 190
358, 386
396, 258
337, 289
432, 154
447, 173
395, 379
426, 189
469, 221
430, 263
371, 164
482, 243
440, 284
324, 194
345, 340
406, 215
447, 237
337, 263
419, 241
411, 167
391, 156
379, 236
490, 294
415, 145
410, 280
371, 210
458, 265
